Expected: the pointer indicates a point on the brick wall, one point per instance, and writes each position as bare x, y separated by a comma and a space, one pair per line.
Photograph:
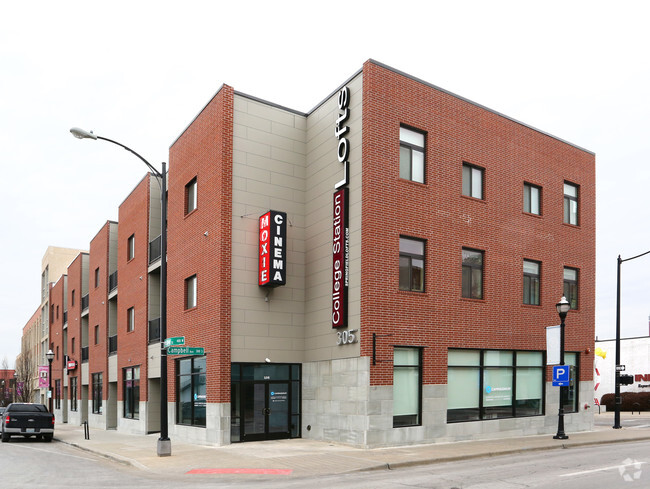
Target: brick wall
458, 131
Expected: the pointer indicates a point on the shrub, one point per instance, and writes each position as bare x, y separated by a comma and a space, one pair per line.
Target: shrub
630, 401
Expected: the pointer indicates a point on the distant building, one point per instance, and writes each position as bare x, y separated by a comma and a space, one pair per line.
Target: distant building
378, 271
635, 356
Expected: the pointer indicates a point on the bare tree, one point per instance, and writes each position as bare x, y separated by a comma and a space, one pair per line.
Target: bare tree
6, 392
25, 375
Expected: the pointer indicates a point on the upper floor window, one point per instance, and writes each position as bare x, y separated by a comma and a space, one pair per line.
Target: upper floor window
97, 334
472, 274
570, 204
130, 319
72, 297
190, 196
130, 247
190, 292
531, 282
411, 264
571, 286
411, 155
532, 199
97, 277
472, 181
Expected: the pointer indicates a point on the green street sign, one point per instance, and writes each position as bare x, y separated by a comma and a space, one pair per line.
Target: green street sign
185, 350
175, 340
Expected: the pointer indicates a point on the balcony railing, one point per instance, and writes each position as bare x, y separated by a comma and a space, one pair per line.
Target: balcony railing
154, 331
112, 281
85, 300
155, 249
84, 354
112, 345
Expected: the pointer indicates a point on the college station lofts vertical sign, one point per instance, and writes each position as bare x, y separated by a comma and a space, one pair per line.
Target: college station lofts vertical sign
340, 227
273, 249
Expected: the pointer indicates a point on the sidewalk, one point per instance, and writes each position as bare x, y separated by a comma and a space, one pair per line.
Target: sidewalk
302, 457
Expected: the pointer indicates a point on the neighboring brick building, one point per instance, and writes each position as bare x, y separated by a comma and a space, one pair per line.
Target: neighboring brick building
410, 244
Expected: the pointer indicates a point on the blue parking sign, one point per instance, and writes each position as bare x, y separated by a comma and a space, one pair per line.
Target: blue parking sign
561, 375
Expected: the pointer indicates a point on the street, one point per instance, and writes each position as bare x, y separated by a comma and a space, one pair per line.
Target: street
27, 463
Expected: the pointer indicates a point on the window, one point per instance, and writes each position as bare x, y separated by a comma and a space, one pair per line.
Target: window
472, 181
130, 319
570, 204
131, 377
73, 393
569, 394
490, 384
532, 199
97, 393
411, 264
57, 394
531, 282
190, 292
571, 286
73, 345
96, 277
72, 297
407, 387
97, 334
130, 247
472, 274
190, 196
411, 155
57, 312
190, 391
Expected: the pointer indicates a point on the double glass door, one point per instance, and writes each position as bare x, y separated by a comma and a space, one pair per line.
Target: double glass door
266, 410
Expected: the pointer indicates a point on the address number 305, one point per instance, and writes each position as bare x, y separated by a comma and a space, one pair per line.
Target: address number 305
347, 337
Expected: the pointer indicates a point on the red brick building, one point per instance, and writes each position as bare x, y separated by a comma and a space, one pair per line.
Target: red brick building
378, 271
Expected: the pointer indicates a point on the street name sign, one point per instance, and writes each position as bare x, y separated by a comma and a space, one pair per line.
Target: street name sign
174, 340
186, 350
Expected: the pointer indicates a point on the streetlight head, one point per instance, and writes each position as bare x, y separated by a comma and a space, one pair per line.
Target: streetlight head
49, 355
563, 306
81, 134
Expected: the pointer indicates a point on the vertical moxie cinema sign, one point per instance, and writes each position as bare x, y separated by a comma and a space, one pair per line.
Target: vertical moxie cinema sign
273, 249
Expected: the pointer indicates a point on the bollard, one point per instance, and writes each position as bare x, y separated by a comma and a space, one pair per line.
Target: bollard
86, 431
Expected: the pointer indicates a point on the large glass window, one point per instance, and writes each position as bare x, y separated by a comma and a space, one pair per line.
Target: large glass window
532, 199
411, 155
472, 181
531, 282
131, 378
570, 393
97, 393
472, 274
570, 204
191, 391
489, 384
407, 386
571, 286
411, 264
73, 393
57, 394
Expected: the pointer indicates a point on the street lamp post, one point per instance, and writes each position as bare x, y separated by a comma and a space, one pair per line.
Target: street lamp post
562, 309
164, 446
617, 374
50, 356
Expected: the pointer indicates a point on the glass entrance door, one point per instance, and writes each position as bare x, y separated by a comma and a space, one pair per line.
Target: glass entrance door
265, 411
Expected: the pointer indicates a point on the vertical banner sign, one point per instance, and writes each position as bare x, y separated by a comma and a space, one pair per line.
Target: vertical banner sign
273, 249
340, 259
43, 381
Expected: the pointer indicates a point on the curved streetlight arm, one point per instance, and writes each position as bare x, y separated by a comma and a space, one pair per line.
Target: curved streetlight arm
81, 134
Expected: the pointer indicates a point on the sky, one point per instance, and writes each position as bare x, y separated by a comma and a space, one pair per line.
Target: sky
139, 71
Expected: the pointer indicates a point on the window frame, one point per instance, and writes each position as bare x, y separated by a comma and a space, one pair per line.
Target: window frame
97, 389
568, 215
411, 257
470, 183
404, 421
195, 382
130, 248
472, 268
131, 392
191, 285
191, 196
130, 319
97, 334
534, 281
528, 199
569, 284
412, 148
96, 277
73, 393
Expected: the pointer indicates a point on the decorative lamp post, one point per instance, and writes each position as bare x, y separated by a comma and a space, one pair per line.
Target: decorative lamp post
50, 356
164, 447
562, 309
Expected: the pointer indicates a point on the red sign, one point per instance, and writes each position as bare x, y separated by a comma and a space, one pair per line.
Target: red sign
273, 249
72, 364
340, 259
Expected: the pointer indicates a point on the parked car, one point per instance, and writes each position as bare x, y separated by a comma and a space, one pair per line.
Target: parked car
2, 410
27, 419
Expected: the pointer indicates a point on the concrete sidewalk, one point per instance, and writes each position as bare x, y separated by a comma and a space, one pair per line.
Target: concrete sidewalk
302, 457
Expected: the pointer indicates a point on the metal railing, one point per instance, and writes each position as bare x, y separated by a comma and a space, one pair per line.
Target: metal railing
154, 330
65, 317
155, 249
85, 300
112, 281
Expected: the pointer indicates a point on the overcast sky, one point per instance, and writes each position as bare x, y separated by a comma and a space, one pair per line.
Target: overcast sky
139, 71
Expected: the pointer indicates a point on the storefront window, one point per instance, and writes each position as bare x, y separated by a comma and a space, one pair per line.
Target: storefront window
191, 391
132, 392
491, 384
406, 387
